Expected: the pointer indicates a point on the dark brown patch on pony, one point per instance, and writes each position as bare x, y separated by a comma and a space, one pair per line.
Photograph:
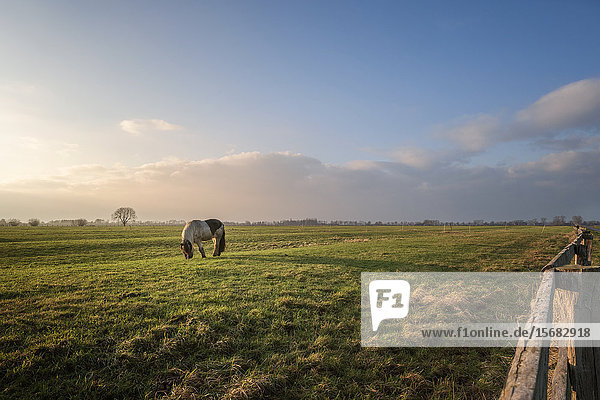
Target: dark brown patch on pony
214, 224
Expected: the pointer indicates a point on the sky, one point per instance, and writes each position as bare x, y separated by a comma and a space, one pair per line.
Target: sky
267, 110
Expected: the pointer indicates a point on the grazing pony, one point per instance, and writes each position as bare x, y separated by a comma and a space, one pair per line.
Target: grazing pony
196, 231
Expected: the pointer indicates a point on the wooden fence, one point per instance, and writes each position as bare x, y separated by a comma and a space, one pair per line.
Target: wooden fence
577, 371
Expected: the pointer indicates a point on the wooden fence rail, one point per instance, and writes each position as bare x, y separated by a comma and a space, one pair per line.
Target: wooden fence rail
577, 371
579, 249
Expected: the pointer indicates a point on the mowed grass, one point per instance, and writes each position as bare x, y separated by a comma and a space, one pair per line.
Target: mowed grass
107, 312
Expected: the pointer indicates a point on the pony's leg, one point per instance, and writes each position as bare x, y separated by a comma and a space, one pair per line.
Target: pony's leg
201, 250
216, 249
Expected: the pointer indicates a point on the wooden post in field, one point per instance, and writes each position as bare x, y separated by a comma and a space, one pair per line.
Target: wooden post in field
587, 241
583, 250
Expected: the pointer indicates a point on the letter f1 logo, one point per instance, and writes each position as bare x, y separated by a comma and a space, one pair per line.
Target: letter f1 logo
389, 299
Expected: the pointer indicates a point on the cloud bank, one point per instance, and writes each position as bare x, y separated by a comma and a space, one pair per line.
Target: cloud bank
257, 186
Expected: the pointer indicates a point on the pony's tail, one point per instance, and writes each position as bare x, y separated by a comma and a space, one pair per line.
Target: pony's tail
222, 241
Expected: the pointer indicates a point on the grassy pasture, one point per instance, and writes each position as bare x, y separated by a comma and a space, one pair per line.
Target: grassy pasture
97, 312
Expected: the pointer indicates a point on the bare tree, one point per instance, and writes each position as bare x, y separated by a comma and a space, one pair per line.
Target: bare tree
124, 215
81, 222
14, 222
34, 222
577, 220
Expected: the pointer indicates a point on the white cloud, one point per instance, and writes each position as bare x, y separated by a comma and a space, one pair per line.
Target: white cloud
572, 106
575, 106
139, 126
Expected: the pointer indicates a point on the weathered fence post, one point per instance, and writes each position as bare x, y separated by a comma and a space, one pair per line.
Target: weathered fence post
585, 361
587, 241
561, 385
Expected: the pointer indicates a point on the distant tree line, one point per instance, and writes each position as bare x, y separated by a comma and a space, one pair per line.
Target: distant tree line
37, 222
84, 222
559, 220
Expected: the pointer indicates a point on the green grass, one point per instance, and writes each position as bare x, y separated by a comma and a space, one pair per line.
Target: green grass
97, 312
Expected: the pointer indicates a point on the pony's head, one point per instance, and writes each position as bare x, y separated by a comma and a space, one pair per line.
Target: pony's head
187, 249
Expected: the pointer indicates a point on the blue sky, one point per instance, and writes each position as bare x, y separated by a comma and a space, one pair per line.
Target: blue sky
93, 94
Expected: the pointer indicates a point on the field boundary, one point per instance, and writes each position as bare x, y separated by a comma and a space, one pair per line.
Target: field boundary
577, 370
